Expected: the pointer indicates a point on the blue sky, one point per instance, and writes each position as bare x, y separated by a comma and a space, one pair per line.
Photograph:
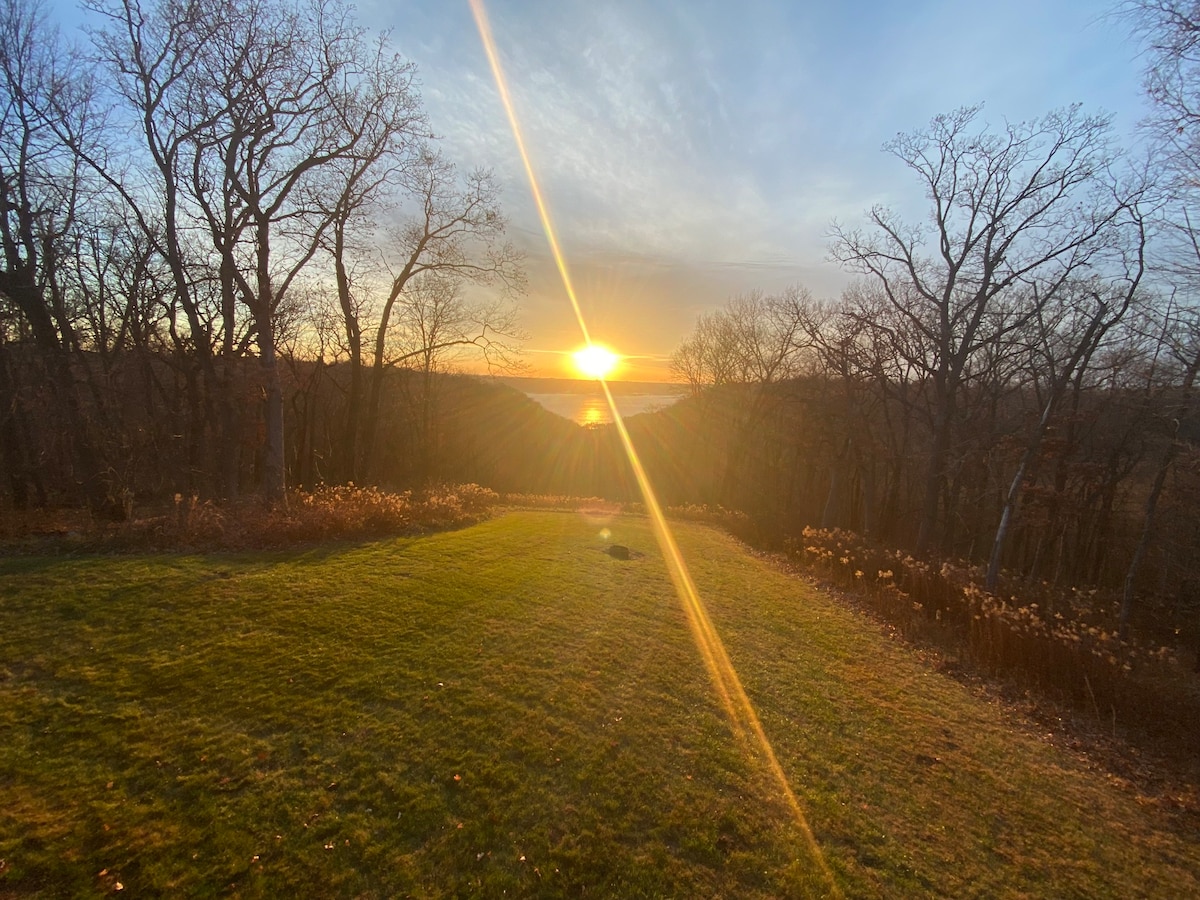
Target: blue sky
691, 149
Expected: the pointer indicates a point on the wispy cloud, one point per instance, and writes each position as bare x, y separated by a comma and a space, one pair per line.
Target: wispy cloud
713, 143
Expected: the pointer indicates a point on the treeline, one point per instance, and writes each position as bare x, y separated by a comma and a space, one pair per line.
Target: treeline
199, 211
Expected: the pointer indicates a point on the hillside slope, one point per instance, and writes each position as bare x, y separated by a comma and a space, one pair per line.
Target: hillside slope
508, 709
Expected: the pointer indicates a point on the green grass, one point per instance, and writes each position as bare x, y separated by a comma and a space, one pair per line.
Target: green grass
507, 711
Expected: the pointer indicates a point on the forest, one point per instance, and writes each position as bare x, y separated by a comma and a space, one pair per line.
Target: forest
236, 262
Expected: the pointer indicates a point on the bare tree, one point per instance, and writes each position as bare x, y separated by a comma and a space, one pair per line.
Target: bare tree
456, 233
1014, 217
1169, 31
151, 56
1181, 340
708, 356
1065, 353
281, 75
251, 141
367, 184
866, 356
750, 344
260, 117
752, 339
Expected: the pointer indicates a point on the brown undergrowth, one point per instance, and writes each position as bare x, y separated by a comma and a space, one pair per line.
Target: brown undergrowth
327, 513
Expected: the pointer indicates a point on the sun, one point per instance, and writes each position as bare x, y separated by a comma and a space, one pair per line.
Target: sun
595, 361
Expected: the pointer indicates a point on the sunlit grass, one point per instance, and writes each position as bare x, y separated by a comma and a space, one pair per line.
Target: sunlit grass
507, 708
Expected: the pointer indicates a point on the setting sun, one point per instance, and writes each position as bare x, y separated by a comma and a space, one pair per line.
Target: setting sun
595, 361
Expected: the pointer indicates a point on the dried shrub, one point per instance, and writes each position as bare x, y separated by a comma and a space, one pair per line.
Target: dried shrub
32, 524
734, 521
347, 512
1066, 643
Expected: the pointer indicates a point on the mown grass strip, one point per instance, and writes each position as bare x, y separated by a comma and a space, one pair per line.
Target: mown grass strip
508, 709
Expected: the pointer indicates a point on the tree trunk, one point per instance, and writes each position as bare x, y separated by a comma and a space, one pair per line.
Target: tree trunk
230, 412
274, 479
830, 516
12, 453
349, 465
274, 472
1160, 479
936, 475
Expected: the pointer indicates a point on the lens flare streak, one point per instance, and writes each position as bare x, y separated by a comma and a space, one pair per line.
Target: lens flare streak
489, 47
726, 683
724, 676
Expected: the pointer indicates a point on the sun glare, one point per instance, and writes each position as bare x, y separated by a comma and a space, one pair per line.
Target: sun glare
595, 361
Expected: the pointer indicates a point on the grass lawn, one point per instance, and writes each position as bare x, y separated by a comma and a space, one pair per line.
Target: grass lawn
508, 711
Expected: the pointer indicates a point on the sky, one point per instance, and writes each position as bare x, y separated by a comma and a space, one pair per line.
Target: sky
690, 150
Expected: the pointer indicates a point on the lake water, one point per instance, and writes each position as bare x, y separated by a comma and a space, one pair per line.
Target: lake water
592, 409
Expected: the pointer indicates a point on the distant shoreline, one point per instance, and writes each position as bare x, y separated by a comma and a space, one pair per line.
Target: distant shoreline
581, 386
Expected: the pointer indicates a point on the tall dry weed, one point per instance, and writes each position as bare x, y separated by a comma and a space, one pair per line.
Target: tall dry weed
1066, 642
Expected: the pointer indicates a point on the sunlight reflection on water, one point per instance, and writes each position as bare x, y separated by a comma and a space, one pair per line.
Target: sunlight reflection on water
589, 409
